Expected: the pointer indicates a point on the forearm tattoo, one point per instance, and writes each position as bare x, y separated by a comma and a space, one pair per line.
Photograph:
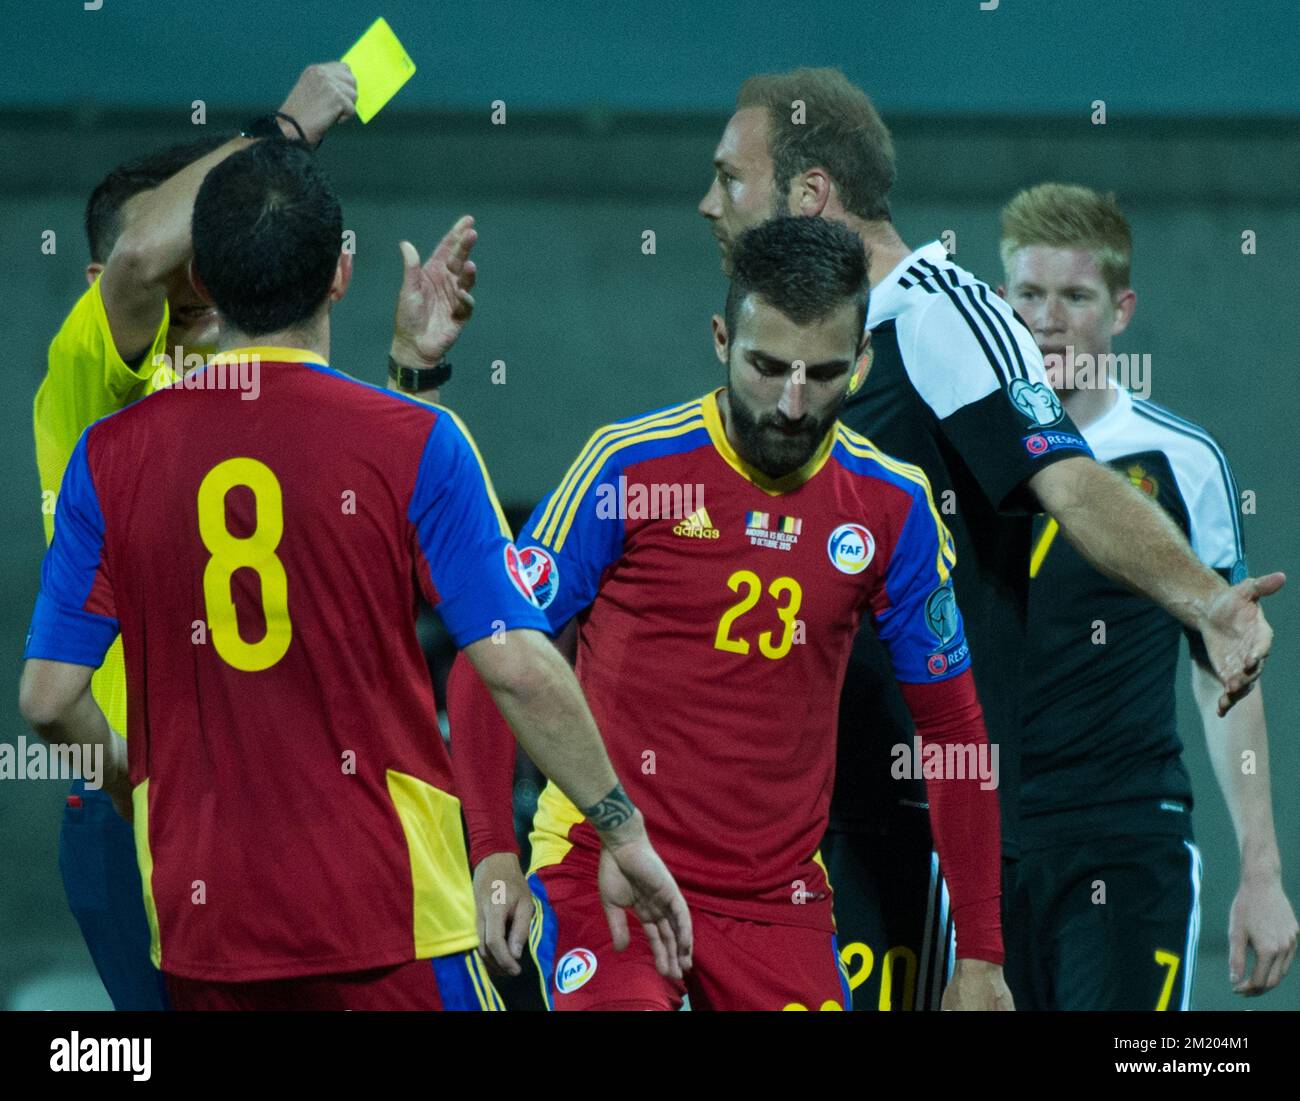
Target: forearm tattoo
613, 810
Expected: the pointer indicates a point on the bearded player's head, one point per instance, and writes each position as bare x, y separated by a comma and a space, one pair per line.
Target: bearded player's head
805, 142
268, 232
791, 333
116, 203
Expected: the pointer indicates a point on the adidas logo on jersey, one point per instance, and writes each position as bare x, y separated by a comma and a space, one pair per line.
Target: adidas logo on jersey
697, 526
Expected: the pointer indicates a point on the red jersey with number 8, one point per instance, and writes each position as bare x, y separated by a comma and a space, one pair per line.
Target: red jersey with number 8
294, 808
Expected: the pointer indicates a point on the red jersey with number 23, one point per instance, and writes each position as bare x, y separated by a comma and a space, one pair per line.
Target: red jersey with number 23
714, 638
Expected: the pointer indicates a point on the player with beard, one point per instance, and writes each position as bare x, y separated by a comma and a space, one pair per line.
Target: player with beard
956, 386
711, 638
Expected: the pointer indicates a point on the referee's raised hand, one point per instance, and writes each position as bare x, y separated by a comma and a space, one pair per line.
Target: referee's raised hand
1237, 636
325, 94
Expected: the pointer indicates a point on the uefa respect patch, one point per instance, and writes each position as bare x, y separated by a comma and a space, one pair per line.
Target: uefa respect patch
948, 661
1040, 443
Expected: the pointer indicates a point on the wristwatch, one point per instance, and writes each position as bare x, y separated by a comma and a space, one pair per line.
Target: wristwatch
414, 379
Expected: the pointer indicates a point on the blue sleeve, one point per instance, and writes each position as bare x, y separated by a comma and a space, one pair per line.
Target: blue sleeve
468, 567
917, 616
575, 534
63, 629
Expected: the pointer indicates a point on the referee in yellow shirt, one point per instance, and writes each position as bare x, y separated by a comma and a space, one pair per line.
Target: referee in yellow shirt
139, 305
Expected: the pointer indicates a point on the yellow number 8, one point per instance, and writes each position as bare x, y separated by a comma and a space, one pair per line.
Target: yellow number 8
256, 552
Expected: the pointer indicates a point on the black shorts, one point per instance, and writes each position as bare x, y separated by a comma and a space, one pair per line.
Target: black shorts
891, 918
1104, 924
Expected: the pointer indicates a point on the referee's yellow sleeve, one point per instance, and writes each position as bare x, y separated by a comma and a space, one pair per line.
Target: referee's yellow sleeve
87, 379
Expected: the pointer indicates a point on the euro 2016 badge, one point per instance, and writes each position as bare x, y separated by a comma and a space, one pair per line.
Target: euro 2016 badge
575, 969
851, 548
541, 574
515, 571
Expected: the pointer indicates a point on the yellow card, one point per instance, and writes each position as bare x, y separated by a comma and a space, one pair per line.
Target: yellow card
381, 66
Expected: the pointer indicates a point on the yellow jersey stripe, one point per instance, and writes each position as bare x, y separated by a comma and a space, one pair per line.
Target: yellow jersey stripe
494, 1003
862, 447
596, 448
497, 1004
534, 942
487, 478
469, 958
596, 440
1044, 545
565, 519
144, 857
773, 487
555, 818
271, 353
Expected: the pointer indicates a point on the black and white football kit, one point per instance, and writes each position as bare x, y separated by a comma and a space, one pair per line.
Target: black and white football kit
957, 387
1107, 901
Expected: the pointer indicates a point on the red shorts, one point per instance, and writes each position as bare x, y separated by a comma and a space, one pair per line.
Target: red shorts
738, 964
445, 982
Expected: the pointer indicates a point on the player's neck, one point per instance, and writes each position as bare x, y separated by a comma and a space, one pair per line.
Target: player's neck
309, 338
1090, 404
885, 248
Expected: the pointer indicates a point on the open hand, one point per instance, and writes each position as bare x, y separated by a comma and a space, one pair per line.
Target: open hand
435, 301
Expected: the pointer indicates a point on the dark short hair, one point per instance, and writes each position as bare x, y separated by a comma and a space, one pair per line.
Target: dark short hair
839, 130
104, 208
267, 231
804, 267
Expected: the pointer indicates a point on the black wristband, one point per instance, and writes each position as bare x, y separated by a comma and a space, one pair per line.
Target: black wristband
302, 137
268, 126
415, 379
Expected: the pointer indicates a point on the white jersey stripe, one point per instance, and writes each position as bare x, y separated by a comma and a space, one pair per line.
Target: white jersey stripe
1176, 423
1193, 927
1000, 364
926, 934
983, 290
1204, 479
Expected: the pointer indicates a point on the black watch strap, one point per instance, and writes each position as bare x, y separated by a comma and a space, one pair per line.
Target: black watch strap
268, 126
414, 379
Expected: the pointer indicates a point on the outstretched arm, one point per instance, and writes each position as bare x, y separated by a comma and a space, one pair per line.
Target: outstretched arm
1127, 536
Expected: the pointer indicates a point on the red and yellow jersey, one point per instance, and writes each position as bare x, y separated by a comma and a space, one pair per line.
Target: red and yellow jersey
87, 379
717, 609
294, 809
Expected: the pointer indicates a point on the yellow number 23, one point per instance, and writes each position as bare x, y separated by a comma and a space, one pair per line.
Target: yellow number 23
783, 587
